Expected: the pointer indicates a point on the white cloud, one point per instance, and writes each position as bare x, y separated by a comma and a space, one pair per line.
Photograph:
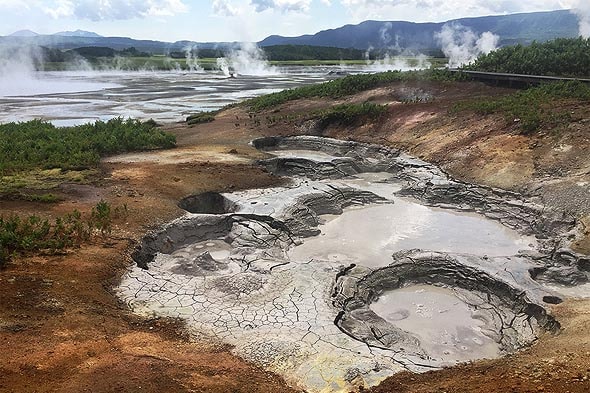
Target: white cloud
442, 10
97, 10
12, 4
224, 8
281, 5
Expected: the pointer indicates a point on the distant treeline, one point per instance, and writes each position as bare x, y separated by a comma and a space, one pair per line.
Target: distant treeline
53, 55
559, 57
272, 53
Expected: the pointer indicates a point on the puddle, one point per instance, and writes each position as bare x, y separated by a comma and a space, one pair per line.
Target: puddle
368, 236
303, 154
445, 325
207, 258
577, 292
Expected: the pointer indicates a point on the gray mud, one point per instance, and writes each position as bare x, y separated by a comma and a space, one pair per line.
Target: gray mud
368, 263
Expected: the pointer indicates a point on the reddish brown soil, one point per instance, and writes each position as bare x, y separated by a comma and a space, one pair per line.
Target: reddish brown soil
62, 329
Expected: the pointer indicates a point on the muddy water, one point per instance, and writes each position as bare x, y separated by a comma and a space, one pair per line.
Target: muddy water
288, 309
69, 98
369, 235
446, 326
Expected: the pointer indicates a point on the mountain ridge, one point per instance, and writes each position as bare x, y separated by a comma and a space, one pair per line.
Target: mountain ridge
513, 28
395, 36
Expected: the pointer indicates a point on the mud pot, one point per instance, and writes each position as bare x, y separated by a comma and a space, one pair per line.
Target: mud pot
367, 263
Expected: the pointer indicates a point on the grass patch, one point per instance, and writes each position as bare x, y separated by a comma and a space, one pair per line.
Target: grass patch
42, 198
348, 114
42, 179
198, 118
22, 235
40, 145
347, 86
531, 108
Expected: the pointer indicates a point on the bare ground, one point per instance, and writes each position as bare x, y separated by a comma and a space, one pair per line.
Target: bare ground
62, 330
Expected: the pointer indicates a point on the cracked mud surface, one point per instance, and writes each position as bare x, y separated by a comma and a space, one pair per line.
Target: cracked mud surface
233, 277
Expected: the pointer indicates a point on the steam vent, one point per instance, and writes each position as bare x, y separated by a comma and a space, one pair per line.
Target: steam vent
368, 262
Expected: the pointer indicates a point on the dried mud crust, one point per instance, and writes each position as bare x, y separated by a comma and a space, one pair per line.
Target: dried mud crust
257, 291
61, 328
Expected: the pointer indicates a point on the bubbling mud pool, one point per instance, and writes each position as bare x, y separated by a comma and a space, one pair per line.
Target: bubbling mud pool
353, 271
440, 320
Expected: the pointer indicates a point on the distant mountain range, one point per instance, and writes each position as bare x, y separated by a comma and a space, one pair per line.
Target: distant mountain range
515, 28
77, 33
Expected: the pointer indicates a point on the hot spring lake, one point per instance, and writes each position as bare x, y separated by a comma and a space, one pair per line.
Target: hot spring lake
74, 97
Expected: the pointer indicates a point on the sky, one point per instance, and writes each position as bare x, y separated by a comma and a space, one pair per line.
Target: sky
244, 20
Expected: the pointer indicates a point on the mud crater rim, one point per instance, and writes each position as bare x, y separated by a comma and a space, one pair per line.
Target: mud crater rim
261, 232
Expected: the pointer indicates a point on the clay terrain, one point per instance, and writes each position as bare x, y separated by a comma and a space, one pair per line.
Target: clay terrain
63, 329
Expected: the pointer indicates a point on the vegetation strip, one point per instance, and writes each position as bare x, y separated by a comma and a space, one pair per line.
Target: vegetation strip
568, 57
20, 235
39, 144
531, 108
347, 86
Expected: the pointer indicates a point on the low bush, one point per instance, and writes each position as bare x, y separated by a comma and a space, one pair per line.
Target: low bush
20, 235
205, 117
531, 108
40, 145
348, 114
347, 86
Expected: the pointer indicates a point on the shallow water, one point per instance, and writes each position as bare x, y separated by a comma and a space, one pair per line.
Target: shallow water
369, 235
446, 326
69, 98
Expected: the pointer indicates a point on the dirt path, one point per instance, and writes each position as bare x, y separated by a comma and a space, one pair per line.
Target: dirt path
62, 330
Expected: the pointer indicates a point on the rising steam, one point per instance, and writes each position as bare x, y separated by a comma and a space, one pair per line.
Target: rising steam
395, 57
17, 68
582, 10
192, 58
248, 59
399, 63
462, 46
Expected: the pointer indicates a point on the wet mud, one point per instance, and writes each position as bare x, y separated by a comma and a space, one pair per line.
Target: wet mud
368, 262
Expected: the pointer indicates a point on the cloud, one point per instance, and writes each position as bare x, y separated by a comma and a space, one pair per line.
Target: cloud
442, 10
5, 4
224, 8
281, 5
97, 10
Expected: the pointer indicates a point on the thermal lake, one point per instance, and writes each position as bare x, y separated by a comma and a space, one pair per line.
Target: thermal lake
75, 97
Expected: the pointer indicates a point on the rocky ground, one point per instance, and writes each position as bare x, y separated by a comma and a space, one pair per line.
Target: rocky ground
62, 329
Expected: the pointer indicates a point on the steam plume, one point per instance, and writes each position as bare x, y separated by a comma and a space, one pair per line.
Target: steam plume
249, 59
582, 9
462, 46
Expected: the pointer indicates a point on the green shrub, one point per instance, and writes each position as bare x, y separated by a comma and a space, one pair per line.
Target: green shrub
101, 217
38, 144
205, 117
531, 107
348, 114
347, 86
35, 234
559, 57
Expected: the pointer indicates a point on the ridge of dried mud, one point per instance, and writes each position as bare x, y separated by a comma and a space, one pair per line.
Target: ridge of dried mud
63, 330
